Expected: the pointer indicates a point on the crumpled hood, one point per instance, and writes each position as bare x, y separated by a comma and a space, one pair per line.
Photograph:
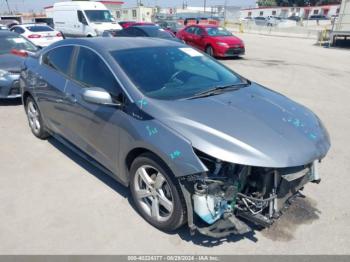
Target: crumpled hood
11, 63
252, 126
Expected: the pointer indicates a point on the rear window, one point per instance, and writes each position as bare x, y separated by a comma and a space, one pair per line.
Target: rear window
39, 29
9, 42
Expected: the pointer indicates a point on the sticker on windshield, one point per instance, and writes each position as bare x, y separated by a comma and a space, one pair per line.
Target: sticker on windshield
18, 40
190, 51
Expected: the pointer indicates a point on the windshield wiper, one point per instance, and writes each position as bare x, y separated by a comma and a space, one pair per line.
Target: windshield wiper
219, 90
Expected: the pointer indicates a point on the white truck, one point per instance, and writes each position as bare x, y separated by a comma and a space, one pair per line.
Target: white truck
83, 18
341, 25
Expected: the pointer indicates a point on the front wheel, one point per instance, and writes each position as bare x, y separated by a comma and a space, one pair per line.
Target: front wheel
35, 120
209, 50
156, 193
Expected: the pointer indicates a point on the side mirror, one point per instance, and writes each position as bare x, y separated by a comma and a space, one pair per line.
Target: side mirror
99, 96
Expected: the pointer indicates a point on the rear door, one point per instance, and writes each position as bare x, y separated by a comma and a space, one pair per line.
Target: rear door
51, 79
188, 35
198, 38
95, 128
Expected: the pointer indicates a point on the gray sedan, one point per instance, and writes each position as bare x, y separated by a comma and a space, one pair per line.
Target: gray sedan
13, 49
195, 142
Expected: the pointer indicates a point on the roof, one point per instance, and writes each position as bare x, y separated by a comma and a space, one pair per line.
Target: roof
4, 33
108, 44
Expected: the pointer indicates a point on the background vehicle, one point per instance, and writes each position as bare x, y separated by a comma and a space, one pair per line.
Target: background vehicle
318, 17
3, 27
294, 18
247, 18
12, 52
83, 18
151, 121
215, 41
171, 26
126, 24
341, 24
142, 31
40, 34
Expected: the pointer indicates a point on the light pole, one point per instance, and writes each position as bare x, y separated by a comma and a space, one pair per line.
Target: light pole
8, 6
205, 5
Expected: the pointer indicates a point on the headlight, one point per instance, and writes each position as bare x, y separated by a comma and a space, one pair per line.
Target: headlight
3, 73
222, 44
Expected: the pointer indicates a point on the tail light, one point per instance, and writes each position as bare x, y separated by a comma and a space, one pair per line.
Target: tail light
34, 36
19, 52
59, 35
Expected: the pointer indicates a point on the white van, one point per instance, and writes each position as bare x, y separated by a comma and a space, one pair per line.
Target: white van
83, 18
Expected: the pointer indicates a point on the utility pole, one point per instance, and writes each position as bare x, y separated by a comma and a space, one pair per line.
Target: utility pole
205, 5
8, 6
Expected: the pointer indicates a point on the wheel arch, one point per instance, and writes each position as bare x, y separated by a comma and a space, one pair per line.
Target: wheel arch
25, 96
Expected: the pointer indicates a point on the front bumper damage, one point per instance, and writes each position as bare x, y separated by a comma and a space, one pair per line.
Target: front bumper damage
230, 197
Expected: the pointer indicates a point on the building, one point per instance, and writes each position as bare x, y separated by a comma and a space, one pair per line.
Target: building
139, 14
285, 11
113, 6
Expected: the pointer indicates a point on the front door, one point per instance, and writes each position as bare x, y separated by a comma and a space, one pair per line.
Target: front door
95, 127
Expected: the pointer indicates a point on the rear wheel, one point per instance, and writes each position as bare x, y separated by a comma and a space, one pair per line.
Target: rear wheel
35, 120
156, 193
209, 50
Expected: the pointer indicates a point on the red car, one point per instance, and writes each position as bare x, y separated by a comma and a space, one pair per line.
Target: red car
215, 41
126, 24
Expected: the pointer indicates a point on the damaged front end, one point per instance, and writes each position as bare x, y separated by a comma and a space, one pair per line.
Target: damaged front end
221, 201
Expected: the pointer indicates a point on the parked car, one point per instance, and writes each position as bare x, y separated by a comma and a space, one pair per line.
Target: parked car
318, 17
126, 24
142, 31
40, 34
215, 41
12, 52
195, 142
294, 18
172, 26
3, 27
83, 18
247, 19
261, 21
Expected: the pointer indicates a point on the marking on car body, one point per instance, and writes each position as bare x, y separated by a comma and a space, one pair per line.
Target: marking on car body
142, 102
152, 130
175, 154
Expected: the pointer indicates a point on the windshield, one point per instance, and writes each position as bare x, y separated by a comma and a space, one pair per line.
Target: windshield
39, 28
99, 16
173, 72
10, 42
217, 31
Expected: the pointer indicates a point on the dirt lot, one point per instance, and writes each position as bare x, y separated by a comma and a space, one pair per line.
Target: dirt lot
52, 202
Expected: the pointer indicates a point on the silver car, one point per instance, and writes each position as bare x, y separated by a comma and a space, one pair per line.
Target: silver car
13, 49
195, 142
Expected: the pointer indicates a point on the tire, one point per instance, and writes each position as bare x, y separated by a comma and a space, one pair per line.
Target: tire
209, 50
162, 186
35, 120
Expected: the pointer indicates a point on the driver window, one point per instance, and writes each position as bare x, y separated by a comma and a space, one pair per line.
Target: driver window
91, 71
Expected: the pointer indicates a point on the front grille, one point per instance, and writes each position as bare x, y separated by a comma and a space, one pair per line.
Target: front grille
235, 51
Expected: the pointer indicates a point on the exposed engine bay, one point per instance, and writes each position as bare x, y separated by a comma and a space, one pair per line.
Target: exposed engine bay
225, 199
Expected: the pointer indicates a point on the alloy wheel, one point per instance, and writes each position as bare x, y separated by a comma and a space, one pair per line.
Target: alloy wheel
153, 193
33, 117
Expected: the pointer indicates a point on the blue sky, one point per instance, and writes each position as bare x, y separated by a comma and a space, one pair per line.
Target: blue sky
28, 5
